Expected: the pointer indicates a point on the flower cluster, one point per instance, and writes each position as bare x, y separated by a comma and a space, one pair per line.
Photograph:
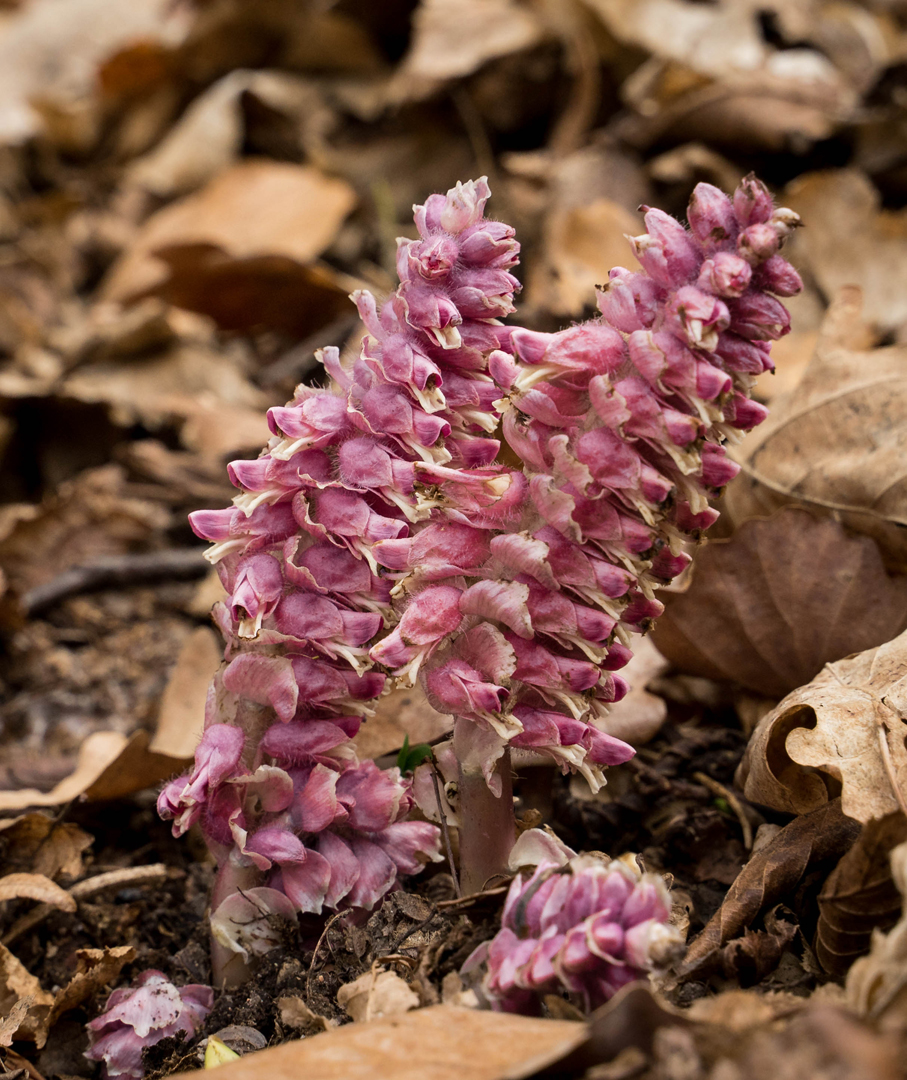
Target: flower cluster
138, 1017
588, 927
380, 538
277, 787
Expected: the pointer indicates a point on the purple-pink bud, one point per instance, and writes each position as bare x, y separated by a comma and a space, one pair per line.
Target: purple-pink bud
712, 218
725, 274
752, 202
758, 243
666, 252
776, 275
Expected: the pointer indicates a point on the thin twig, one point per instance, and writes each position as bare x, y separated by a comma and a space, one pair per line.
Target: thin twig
473, 898
327, 926
113, 570
733, 802
444, 830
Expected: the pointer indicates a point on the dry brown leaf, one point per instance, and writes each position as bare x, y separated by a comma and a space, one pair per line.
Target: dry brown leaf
713, 39
843, 730
12, 1020
770, 875
877, 983
764, 110
110, 766
182, 716
95, 968
255, 208
87, 517
377, 995
46, 846
581, 245
398, 714
837, 444
52, 48
859, 895
452, 38
16, 985
768, 607
261, 292
850, 240
437, 1043
209, 135
35, 887
175, 383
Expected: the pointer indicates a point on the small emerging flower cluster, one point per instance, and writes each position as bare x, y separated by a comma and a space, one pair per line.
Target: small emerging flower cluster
136, 1017
589, 927
277, 787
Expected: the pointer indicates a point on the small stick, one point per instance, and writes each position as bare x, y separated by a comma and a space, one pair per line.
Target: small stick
444, 830
111, 570
472, 898
327, 926
733, 802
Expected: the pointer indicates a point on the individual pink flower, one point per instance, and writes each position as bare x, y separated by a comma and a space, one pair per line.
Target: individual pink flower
137, 1017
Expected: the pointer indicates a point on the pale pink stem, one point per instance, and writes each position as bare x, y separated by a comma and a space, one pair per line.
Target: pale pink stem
487, 829
228, 968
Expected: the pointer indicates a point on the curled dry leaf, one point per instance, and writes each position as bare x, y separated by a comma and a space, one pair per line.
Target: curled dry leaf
94, 969
877, 983
838, 444
770, 876
453, 38
843, 730
768, 607
859, 895
35, 887
209, 135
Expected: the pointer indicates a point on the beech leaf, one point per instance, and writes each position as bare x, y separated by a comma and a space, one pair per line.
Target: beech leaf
437, 1043
859, 895
844, 728
838, 444
768, 607
770, 875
